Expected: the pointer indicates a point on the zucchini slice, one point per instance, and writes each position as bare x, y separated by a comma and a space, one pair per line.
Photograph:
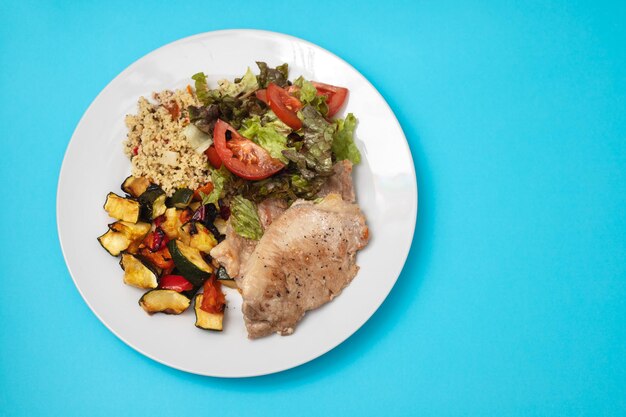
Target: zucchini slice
224, 278
196, 235
135, 186
122, 208
152, 202
114, 242
189, 262
172, 223
137, 273
206, 320
164, 301
134, 231
181, 198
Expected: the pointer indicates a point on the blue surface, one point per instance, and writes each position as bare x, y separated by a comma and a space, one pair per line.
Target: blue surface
513, 300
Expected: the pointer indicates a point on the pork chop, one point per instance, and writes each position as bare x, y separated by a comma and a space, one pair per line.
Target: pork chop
234, 250
305, 258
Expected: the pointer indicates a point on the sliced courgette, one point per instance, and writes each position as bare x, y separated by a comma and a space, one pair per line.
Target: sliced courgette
152, 202
122, 208
224, 278
206, 320
114, 242
171, 225
195, 205
189, 262
196, 235
164, 301
134, 231
137, 273
135, 186
181, 198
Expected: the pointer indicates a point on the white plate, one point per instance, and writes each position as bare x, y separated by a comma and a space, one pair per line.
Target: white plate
94, 165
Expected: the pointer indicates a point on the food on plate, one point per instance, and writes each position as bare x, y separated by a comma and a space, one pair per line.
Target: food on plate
243, 190
298, 266
157, 144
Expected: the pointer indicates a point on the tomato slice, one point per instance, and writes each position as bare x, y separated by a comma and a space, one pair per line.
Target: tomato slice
177, 283
213, 300
335, 96
214, 158
284, 106
241, 156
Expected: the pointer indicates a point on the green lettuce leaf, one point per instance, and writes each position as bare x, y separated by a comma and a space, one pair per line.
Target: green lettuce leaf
276, 75
244, 218
304, 188
265, 136
247, 84
202, 88
270, 119
219, 177
343, 140
308, 95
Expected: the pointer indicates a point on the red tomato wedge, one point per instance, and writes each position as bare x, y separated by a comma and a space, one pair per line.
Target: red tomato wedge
214, 158
213, 300
335, 96
284, 106
241, 156
177, 283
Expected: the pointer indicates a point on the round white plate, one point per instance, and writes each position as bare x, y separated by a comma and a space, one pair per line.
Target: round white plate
94, 165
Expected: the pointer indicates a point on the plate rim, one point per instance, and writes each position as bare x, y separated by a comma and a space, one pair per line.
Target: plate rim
129, 68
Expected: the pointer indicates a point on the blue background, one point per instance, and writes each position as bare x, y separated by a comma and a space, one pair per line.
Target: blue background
513, 299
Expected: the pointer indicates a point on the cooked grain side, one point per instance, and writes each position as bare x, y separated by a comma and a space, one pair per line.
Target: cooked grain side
156, 131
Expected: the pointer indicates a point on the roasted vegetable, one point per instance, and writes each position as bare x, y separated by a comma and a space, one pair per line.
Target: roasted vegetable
122, 208
164, 301
210, 306
135, 186
207, 214
206, 320
181, 198
224, 278
161, 258
152, 202
134, 231
189, 262
137, 273
155, 240
196, 235
114, 242
171, 225
177, 283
